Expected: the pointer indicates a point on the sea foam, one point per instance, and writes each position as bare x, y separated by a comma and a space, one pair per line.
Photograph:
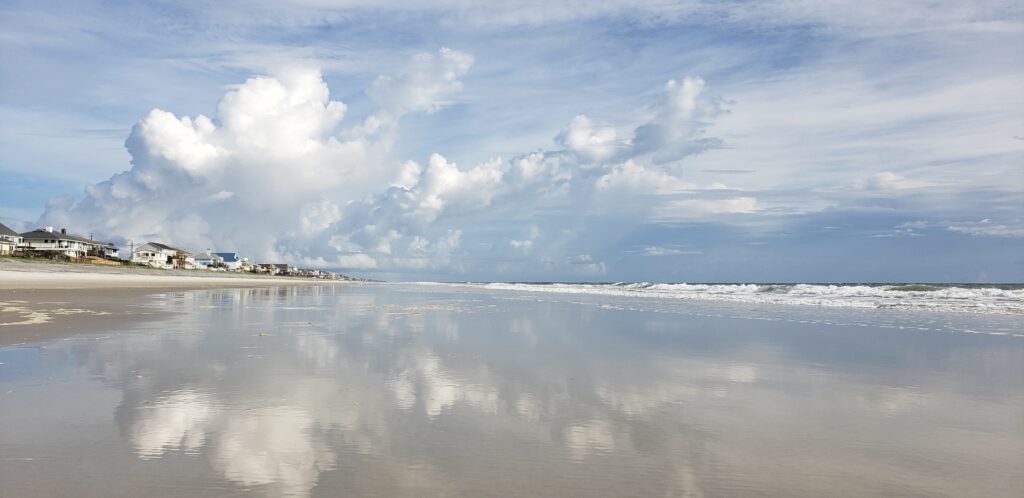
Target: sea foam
949, 298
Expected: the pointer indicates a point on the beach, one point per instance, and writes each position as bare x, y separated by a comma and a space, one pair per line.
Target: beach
23, 274
46, 300
423, 390
512, 249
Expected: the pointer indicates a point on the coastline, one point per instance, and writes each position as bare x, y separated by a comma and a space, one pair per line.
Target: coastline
43, 301
32, 275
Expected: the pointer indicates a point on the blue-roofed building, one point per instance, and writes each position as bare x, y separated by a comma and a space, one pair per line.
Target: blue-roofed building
208, 261
231, 260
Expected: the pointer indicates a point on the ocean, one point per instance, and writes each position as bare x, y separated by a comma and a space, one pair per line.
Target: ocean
520, 389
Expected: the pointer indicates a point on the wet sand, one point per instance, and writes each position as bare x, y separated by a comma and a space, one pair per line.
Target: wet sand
397, 390
34, 315
15, 274
41, 301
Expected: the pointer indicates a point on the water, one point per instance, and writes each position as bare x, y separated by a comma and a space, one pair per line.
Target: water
411, 390
957, 298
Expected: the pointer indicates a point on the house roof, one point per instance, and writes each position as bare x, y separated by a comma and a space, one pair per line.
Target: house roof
162, 246
41, 234
4, 230
273, 265
228, 256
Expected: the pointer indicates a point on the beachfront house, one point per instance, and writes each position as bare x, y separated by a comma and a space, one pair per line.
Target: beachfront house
265, 268
209, 261
9, 240
163, 256
110, 251
230, 260
47, 242
274, 269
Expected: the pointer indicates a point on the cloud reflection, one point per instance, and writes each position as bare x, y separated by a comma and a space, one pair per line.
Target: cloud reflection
177, 421
405, 398
272, 446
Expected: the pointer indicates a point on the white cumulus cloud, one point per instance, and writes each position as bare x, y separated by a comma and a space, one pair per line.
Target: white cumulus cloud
275, 175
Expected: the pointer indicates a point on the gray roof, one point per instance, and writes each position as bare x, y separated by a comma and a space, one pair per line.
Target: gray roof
41, 234
163, 246
7, 231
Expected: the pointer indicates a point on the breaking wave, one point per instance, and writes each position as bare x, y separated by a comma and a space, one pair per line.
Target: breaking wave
992, 299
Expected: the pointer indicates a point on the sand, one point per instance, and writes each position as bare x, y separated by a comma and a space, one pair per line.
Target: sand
414, 390
42, 301
29, 275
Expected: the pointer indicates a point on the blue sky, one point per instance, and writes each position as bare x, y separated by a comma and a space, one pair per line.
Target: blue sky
638, 140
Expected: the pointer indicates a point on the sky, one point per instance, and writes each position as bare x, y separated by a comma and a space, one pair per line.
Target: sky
640, 140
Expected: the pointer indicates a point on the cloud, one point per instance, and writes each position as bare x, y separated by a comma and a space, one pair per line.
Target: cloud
864, 18
594, 142
318, 190
585, 264
982, 228
665, 251
919, 224
987, 228
682, 209
317, 194
525, 246
821, 106
417, 224
631, 177
267, 174
676, 131
425, 85
888, 181
317, 216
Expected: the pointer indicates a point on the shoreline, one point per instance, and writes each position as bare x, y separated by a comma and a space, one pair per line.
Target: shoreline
45, 301
37, 275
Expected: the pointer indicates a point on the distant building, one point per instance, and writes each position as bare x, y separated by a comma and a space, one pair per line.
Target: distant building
164, 256
230, 260
9, 240
209, 261
48, 242
273, 269
110, 251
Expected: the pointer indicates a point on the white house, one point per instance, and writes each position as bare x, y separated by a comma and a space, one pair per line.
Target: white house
208, 261
110, 251
160, 255
9, 240
275, 268
46, 241
230, 260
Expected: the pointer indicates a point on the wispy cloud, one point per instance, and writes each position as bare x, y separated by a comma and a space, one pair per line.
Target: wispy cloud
543, 134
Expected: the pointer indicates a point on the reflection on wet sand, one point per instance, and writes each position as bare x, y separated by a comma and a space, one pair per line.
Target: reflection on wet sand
391, 391
172, 422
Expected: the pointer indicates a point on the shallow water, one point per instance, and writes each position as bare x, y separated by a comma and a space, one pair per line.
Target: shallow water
394, 390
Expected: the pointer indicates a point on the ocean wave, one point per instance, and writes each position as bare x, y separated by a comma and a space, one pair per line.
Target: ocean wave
947, 298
